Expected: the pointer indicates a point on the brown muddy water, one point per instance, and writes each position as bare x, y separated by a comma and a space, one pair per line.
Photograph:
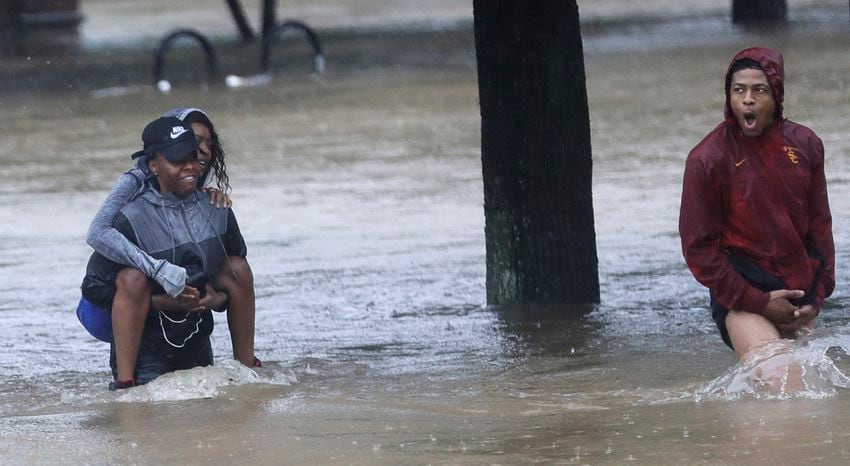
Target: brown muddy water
360, 198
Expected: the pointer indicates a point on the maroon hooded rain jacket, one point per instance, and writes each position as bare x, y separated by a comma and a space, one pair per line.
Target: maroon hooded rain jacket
761, 198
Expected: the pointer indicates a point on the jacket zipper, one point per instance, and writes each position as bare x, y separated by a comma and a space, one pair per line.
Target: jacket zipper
192, 236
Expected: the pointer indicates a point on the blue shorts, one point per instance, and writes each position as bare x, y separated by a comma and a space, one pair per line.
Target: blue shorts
96, 320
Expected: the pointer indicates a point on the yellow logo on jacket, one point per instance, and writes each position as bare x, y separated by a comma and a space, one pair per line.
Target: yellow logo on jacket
792, 154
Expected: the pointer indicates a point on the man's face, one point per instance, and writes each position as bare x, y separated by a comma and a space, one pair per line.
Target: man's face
751, 99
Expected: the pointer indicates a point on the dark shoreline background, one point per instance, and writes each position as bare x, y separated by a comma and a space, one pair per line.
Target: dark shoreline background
58, 61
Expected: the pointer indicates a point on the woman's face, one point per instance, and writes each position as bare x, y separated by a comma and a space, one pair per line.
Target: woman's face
202, 134
179, 178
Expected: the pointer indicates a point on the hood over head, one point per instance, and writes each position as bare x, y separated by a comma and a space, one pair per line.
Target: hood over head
182, 112
773, 65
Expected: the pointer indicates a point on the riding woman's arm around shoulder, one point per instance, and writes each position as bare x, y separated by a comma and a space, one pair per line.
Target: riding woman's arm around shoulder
105, 239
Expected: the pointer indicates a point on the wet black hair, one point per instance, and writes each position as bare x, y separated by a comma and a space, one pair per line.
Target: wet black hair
217, 165
745, 64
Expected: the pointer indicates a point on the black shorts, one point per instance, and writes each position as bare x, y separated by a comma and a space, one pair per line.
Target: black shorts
168, 346
719, 313
763, 280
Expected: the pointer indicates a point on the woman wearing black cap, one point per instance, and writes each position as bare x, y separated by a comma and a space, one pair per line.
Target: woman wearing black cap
233, 285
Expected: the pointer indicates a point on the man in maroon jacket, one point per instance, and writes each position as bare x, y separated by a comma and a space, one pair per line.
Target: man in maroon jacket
754, 221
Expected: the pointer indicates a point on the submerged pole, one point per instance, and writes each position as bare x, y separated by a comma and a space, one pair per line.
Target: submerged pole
238, 13
535, 153
759, 12
269, 16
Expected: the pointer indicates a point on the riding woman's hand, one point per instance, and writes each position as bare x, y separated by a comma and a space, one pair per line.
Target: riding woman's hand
218, 198
190, 300
187, 301
214, 300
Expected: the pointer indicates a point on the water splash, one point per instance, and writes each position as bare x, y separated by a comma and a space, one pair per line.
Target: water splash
204, 382
811, 367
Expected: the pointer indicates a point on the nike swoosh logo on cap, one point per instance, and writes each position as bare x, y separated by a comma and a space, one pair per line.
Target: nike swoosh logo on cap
176, 131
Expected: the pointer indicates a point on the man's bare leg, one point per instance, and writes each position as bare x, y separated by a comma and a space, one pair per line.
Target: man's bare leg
748, 332
129, 312
237, 280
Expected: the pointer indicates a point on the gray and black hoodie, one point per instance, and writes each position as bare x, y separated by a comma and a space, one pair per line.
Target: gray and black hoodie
189, 232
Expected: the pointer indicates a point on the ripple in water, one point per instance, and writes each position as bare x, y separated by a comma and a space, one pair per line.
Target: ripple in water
811, 367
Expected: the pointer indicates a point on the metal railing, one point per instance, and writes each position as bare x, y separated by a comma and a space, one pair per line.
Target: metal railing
272, 30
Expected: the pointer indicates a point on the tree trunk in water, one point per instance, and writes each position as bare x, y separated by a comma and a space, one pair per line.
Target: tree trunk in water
535, 153
758, 12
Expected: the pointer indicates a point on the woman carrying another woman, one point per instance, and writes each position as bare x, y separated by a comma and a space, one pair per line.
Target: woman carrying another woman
231, 288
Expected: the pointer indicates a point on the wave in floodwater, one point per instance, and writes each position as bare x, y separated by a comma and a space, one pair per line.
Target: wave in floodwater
811, 367
192, 384
204, 382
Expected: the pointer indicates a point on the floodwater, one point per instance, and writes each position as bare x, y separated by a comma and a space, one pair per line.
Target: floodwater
360, 197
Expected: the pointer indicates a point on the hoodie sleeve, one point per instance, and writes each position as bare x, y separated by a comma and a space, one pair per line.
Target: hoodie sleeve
820, 225
109, 242
701, 221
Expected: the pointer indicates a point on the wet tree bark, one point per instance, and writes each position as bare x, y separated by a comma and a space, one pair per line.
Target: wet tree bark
759, 12
535, 153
